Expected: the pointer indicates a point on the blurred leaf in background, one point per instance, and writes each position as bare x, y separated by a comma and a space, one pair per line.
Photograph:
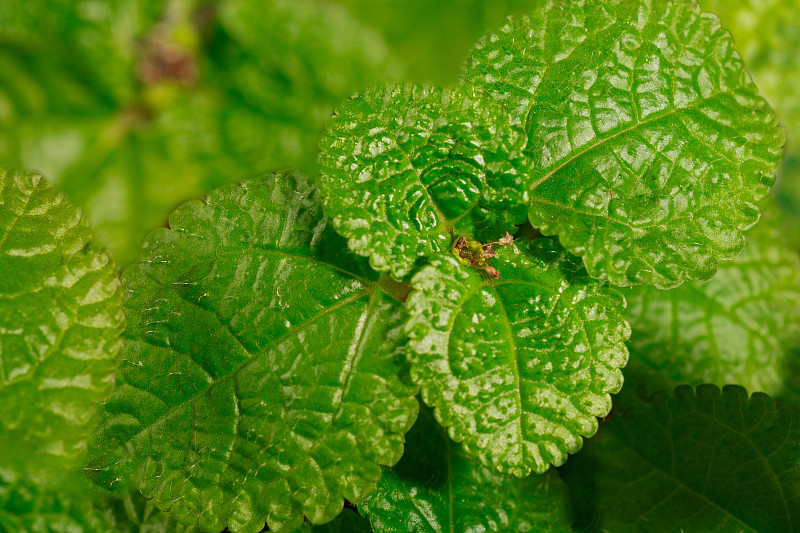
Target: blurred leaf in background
767, 34
433, 37
135, 106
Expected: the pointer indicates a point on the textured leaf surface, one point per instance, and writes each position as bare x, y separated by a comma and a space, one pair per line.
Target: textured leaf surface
737, 327
517, 368
438, 488
650, 147
709, 462
237, 107
767, 34
60, 325
403, 166
260, 380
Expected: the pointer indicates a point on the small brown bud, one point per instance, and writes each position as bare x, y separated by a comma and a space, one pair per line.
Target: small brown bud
508, 239
461, 242
487, 252
494, 274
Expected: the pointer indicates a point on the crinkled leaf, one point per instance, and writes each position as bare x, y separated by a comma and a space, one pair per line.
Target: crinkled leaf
438, 488
242, 107
737, 327
403, 166
60, 325
649, 145
708, 461
518, 368
261, 380
767, 34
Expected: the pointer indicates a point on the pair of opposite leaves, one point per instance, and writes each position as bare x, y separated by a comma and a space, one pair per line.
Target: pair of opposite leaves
253, 420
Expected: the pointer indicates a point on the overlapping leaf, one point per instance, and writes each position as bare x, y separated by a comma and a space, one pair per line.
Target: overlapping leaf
438, 488
260, 380
704, 461
650, 147
518, 368
404, 166
60, 325
737, 327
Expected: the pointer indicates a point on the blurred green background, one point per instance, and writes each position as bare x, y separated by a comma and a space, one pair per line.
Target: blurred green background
133, 106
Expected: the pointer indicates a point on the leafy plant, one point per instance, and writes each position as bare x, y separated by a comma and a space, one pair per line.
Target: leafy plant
491, 249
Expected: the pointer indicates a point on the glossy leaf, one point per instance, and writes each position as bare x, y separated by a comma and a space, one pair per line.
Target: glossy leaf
767, 33
518, 368
737, 327
708, 461
438, 488
261, 380
60, 325
649, 145
405, 166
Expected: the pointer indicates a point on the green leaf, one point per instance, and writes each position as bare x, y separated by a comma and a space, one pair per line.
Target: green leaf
649, 145
767, 33
60, 325
787, 199
413, 29
438, 488
247, 105
65, 506
347, 522
135, 514
704, 461
737, 327
260, 380
405, 166
100, 41
68, 504
517, 368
